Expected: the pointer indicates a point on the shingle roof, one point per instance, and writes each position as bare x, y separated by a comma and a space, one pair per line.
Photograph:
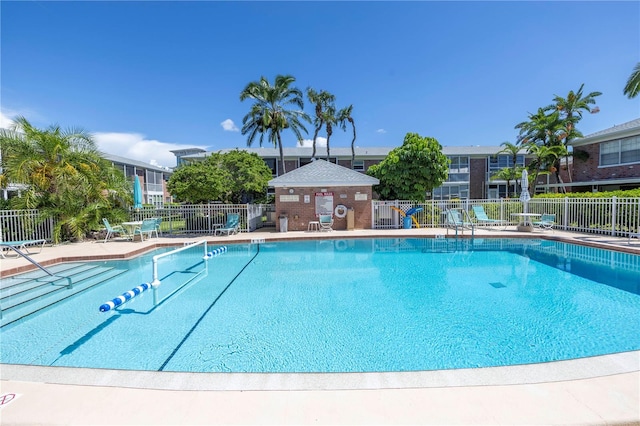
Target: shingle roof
322, 173
629, 128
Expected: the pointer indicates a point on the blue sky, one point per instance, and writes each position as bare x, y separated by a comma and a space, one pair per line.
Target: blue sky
149, 77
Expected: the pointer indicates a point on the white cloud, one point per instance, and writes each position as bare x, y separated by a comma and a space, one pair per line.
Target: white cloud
308, 143
136, 147
5, 121
229, 126
381, 131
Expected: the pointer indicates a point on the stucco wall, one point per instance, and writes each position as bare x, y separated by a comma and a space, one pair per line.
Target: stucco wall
300, 213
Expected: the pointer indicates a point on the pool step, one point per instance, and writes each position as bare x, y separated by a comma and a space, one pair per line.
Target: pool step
22, 299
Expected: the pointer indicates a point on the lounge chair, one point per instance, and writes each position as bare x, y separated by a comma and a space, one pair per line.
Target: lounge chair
115, 229
546, 222
483, 219
148, 227
455, 220
158, 223
231, 227
22, 246
326, 222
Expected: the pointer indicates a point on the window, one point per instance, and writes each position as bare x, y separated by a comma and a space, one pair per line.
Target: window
499, 162
358, 165
448, 192
623, 151
272, 164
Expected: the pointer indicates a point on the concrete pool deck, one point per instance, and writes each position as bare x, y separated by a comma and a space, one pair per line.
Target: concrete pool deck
597, 390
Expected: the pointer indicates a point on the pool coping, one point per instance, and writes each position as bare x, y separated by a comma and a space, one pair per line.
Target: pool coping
547, 372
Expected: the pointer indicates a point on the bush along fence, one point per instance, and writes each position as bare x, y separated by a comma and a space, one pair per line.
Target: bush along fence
607, 216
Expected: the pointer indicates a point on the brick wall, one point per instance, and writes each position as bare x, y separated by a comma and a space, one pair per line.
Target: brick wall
301, 213
584, 171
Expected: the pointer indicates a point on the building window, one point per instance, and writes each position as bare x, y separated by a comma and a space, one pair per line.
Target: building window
623, 151
272, 164
451, 192
358, 165
499, 162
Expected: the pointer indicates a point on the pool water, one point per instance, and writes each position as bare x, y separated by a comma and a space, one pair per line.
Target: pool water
348, 306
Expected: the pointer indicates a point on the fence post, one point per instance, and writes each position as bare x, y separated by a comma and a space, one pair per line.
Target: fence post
613, 215
565, 219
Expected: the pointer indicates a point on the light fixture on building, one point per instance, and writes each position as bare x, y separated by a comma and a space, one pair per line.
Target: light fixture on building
291, 191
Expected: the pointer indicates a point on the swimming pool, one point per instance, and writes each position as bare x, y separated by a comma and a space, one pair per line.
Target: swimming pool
348, 306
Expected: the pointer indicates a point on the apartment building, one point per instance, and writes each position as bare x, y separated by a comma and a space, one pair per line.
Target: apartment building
470, 172
607, 160
153, 179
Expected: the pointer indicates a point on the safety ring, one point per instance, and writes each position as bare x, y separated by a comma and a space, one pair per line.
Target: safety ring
340, 245
340, 211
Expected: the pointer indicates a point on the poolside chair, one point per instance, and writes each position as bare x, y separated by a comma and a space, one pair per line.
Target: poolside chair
158, 223
231, 227
546, 222
148, 227
483, 219
116, 229
454, 219
326, 222
21, 246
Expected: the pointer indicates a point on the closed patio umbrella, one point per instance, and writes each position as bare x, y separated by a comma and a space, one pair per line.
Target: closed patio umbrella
524, 195
137, 193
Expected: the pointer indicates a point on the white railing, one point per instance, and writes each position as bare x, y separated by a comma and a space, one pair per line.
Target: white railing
21, 225
610, 216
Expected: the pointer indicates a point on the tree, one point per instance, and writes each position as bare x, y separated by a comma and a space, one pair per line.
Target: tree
233, 177
508, 174
269, 114
64, 176
249, 176
411, 170
513, 151
632, 88
344, 116
545, 156
321, 101
570, 109
330, 119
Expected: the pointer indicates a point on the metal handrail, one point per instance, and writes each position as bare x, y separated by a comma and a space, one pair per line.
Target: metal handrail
466, 221
42, 268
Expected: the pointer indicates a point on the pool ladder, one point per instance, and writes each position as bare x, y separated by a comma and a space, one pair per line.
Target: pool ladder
457, 218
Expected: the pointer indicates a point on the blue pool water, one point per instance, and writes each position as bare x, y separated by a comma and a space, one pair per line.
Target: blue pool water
347, 306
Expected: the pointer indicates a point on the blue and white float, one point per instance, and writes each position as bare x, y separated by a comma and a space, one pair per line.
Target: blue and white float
216, 252
125, 297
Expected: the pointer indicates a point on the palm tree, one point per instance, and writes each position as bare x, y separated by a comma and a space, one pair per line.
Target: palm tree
64, 176
344, 116
570, 109
545, 156
321, 100
513, 151
632, 88
269, 114
545, 129
330, 119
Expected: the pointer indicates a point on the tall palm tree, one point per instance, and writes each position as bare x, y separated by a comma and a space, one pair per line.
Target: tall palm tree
548, 130
570, 109
344, 116
270, 115
330, 119
321, 100
544, 157
64, 176
632, 88
513, 151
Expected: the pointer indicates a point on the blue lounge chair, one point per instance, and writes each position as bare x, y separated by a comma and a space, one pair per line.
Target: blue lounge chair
483, 219
231, 227
326, 222
546, 222
22, 246
115, 229
148, 227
